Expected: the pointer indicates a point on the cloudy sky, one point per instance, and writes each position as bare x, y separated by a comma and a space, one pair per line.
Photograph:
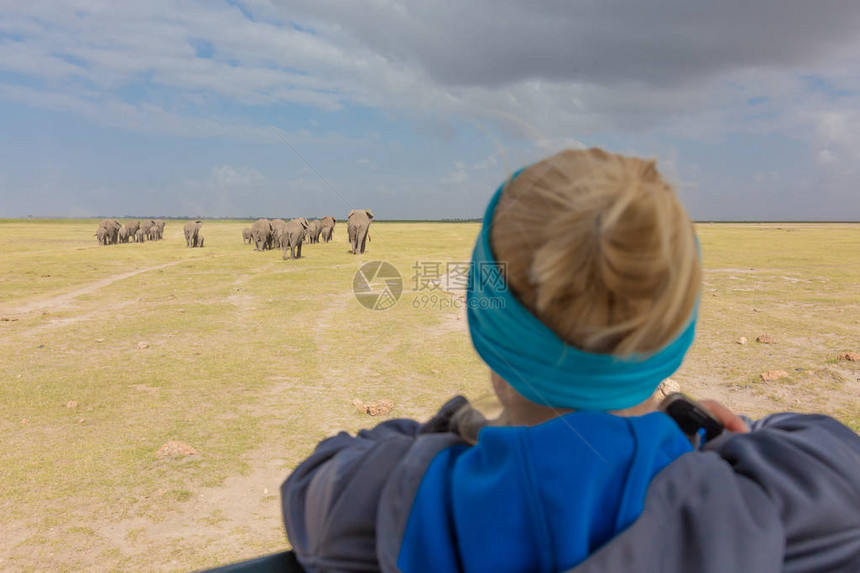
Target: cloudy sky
419, 109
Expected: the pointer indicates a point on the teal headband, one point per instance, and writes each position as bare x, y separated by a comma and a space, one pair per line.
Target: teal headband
537, 363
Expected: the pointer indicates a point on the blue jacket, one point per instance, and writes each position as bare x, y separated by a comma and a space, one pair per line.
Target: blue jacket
582, 492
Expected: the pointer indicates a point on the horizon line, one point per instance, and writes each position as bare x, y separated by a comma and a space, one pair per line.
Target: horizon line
400, 220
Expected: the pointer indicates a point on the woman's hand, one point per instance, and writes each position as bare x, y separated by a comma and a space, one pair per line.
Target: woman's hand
730, 421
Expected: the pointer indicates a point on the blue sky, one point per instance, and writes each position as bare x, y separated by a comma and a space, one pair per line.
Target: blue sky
419, 110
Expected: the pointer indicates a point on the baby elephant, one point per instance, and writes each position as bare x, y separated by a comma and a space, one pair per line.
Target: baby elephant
247, 237
138, 237
199, 240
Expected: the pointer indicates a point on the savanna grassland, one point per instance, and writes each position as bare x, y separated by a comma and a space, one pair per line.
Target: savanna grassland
110, 352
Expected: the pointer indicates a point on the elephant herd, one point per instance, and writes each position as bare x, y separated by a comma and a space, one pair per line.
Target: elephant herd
279, 234
112, 232
263, 234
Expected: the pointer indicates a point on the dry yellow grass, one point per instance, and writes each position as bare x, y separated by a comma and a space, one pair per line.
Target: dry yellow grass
250, 360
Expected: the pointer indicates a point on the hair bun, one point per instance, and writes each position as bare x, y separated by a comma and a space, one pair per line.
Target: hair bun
599, 248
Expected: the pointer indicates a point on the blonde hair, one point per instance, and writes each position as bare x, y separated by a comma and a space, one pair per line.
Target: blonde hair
599, 248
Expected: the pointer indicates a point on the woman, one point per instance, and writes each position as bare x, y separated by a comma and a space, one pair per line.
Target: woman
582, 298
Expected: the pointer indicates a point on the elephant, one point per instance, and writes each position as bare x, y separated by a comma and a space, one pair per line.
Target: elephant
132, 227
200, 240
192, 231
247, 237
114, 232
138, 237
277, 227
146, 227
327, 228
292, 236
159, 228
357, 224
314, 228
108, 232
123, 235
103, 233
261, 231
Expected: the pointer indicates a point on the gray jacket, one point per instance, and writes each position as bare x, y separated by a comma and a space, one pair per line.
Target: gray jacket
783, 498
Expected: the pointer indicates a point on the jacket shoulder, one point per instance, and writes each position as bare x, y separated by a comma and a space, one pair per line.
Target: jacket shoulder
330, 502
784, 497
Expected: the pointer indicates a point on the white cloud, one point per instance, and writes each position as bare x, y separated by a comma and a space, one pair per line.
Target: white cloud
564, 78
825, 158
457, 176
488, 163
226, 191
550, 145
144, 117
765, 176
547, 75
228, 176
839, 128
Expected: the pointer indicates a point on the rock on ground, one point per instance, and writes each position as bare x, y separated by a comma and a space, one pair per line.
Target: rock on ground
174, 448
666, 387
380, 407
772, 375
